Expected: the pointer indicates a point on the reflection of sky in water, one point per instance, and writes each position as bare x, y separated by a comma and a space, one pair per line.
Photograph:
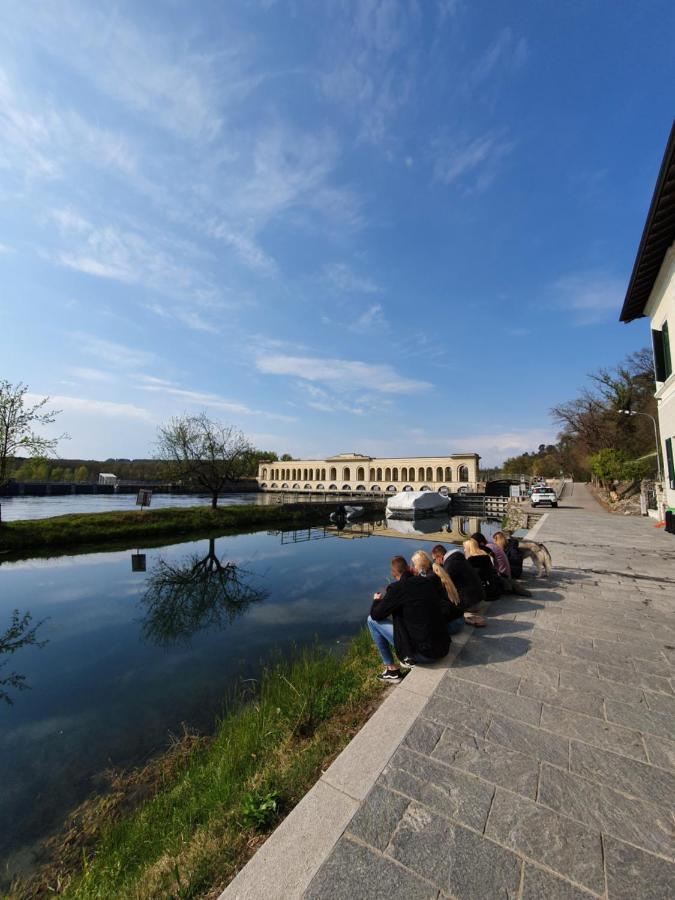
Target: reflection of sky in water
45, 507
103, 696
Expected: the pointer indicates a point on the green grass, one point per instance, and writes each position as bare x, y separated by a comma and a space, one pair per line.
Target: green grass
210, 803
143, 527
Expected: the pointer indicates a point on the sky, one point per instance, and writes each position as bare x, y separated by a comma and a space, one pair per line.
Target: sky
395, 227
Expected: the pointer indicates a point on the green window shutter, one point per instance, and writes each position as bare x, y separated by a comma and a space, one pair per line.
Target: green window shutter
659, 361
671, 464
667, 361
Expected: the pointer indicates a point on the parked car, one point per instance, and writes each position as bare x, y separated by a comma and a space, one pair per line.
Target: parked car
543, 495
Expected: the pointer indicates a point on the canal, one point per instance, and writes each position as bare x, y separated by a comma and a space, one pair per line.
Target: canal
137, 644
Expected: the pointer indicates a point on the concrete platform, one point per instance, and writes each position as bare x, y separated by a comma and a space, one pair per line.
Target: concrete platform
538, 761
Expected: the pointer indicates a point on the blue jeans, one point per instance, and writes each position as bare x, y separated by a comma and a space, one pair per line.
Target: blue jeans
382, 634
456, 625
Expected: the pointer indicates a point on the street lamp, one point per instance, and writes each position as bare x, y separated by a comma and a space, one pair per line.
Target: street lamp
630, 412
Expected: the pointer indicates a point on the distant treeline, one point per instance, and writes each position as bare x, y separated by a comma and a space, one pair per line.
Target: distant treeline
88, 470
595, 438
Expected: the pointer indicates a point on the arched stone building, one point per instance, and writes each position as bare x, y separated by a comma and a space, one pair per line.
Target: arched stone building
357, 472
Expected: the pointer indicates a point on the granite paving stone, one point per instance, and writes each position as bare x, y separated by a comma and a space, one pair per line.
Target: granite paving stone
594, 731
376, 819
541, 885
661, 703
561, 844
423, 736
633, 874
446, 790
484, 675
527, 739
600, 687
604, 809
653, 667
589, 704
660, 750
354, 871
560, 661
489, 761
460, 862
641, 718
626, 775
478, 696
456, 715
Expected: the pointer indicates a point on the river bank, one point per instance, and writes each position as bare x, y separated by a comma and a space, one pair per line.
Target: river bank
79, 530
184, 824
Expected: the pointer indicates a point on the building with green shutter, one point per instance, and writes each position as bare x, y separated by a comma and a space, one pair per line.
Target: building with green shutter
651, 293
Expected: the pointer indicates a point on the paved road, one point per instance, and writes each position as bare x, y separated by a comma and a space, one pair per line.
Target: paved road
543, 765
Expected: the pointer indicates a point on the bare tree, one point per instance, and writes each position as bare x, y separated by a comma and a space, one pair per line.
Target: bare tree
204, 454
19, 634
195, 594
17, 421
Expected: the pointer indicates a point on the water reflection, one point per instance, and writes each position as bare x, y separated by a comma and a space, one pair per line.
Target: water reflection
447, 529
194, 594
19, 634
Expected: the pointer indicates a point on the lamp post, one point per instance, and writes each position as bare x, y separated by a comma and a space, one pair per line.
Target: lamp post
630, 412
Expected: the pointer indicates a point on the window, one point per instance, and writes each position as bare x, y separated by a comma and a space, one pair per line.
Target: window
394, 474
663, 364
669, 463
387, 474
448, 473
346, 473
463, 473
360, 473
439, 474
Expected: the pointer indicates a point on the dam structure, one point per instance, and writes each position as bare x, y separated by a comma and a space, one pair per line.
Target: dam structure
356, 472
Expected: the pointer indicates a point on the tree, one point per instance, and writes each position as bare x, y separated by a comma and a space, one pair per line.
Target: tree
81, 474
608, 465
193, 595
17, 421
203, 454
19, 634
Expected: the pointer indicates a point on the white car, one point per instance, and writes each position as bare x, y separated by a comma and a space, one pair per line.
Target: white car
542, 495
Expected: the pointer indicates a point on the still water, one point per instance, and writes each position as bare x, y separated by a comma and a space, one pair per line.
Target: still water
133, 654
14, 508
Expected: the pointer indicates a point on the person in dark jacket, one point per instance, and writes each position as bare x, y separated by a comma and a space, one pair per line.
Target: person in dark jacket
417, 630
515, 557
482, 561
466, 580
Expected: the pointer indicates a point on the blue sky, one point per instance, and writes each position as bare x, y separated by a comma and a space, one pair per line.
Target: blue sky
389, 227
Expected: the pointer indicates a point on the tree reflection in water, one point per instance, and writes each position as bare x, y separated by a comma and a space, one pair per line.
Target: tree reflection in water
197, 594
19, 634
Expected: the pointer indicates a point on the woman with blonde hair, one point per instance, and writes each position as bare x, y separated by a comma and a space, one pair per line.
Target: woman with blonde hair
482, 563
448, 595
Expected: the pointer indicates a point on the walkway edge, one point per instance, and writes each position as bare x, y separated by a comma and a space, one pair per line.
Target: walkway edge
288, 860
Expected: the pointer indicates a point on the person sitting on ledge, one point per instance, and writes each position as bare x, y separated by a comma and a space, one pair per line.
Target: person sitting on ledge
465, 579
417, 631
498, 545
481, 560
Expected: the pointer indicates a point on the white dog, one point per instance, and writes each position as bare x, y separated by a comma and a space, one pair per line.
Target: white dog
539, 555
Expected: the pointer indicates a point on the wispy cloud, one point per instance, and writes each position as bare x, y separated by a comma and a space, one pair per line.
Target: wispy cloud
343, 373
206, 400
471, 161
590, 297
343, 278
370, 319
506, 53
118, 356
104, 408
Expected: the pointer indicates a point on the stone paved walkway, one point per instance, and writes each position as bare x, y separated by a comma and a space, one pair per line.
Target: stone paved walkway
543, 766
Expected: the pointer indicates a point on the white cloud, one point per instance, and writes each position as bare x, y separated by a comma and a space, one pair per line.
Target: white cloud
104, 408
344, 279
591, 297
372, 318
342, 373
472, 160
119, 356
86, 374
207, 400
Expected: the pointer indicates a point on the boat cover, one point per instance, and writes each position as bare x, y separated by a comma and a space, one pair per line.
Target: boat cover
416, 503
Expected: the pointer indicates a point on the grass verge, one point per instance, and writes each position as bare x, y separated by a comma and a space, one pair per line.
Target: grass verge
186, 823
75, 531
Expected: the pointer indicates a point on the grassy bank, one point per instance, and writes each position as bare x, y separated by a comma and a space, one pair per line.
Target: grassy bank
136, 526
209, 802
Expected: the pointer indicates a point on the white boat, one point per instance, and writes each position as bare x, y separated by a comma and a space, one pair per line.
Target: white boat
409, 504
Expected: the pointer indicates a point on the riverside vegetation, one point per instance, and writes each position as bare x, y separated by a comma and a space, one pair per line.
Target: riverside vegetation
182, 826
85, 529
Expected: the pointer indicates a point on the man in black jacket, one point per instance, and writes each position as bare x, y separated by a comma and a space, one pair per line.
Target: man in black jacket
417, 630
465, 578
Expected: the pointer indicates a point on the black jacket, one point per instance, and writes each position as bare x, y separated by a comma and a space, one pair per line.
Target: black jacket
414, 603
466, 580
492, 583
515, 557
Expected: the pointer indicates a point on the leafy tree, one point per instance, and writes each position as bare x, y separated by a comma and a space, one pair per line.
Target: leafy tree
286, 457
81, 474
17, 421
608, 465
19, 634
203, 454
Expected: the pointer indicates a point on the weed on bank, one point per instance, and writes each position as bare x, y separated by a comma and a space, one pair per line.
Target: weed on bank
210, 802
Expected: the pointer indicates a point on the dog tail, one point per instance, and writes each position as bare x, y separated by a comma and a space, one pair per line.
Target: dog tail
548, 562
